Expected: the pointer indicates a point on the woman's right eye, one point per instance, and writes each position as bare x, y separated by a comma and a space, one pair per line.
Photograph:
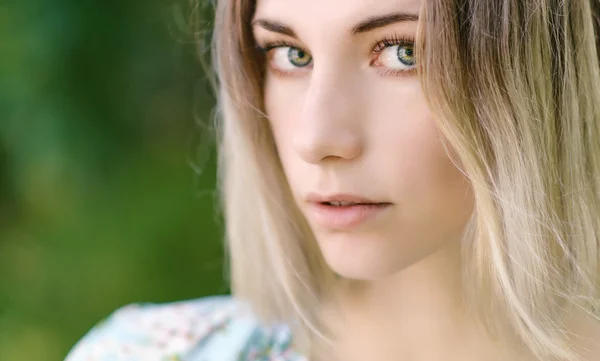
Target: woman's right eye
287, 58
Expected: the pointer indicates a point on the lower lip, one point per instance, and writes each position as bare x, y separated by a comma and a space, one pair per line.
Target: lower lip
344, 217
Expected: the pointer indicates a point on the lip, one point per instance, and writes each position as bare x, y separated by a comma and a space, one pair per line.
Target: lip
344, 217
339, 197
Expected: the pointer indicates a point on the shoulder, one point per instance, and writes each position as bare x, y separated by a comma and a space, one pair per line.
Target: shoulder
215, 328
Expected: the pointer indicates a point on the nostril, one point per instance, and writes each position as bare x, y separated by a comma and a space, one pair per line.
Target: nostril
327, 144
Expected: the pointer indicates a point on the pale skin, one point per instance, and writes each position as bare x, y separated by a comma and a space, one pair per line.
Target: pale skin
348, 119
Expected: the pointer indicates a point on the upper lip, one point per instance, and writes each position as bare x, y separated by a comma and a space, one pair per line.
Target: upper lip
339, 197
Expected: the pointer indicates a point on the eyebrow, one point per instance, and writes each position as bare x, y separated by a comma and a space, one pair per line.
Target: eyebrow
376, 22
372, 23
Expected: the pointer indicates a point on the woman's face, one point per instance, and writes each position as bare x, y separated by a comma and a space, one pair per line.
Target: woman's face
351, 124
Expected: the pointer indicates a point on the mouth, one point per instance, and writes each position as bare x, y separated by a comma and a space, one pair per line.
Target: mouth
349, 204
342, 200
344, 215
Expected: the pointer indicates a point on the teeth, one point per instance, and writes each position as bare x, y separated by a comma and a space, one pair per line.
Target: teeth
340, 204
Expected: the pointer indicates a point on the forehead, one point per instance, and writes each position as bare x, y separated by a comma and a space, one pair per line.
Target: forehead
330, 15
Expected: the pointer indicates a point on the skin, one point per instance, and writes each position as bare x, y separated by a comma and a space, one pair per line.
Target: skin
350, 122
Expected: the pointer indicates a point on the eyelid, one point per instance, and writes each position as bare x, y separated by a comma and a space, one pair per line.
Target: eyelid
270, 45
394, 40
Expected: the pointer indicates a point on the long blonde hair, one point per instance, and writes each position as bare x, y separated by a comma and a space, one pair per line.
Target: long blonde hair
515, 88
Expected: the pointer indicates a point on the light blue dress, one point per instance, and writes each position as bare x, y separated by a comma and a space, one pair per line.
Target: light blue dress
207, 329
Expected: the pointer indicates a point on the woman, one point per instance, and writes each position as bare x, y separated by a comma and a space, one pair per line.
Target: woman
401, 180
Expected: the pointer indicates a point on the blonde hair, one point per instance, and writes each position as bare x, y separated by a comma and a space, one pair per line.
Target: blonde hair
514, 86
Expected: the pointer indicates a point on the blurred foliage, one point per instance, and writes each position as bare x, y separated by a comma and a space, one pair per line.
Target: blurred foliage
106, 166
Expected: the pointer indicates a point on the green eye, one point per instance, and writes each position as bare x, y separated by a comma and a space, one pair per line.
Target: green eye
299, 58
396, 58
406, 55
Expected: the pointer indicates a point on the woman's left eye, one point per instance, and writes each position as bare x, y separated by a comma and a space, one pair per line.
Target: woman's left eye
396, 57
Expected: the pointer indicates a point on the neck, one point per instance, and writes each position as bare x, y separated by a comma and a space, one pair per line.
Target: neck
416, 314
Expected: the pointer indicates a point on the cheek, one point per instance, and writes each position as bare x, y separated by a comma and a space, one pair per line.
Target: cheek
276, 104
412, 149
283, 105
413, 162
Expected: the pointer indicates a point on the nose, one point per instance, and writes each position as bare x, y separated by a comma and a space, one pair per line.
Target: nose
329, 125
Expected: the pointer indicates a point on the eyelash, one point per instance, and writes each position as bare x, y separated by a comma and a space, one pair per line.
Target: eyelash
378, 47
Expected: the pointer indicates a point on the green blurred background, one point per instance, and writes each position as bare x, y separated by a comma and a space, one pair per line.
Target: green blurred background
107, 166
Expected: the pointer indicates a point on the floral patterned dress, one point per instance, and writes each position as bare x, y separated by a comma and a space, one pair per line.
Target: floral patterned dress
215, 328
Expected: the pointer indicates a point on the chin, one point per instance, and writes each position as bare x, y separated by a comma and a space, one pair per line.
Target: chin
361, 256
